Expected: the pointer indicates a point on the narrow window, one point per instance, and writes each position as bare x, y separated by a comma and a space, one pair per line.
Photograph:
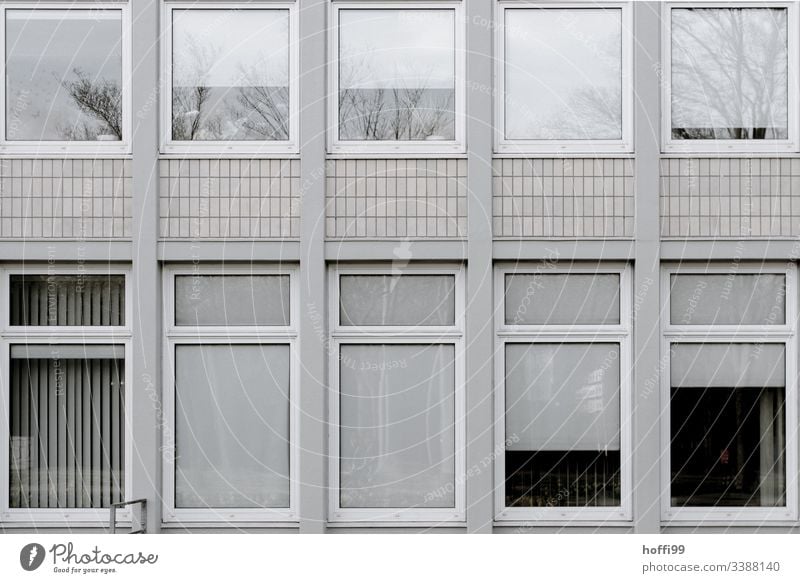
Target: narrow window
397, 339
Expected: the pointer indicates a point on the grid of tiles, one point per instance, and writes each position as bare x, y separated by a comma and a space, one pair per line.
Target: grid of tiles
229, 199
65, 199
396, 199
563, 198
730, 197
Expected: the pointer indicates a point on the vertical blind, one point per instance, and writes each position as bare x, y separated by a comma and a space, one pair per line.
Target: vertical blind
67, 426
67, 300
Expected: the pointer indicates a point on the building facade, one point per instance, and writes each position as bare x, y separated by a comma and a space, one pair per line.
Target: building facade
399, 266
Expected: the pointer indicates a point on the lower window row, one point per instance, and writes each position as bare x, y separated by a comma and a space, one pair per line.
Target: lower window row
563, 399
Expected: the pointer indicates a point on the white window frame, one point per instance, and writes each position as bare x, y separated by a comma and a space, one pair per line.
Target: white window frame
727, 334
503, 145
619, 334
726, 147
371, 335
403, 147
174, 336
53, 335
98, 149
264, 148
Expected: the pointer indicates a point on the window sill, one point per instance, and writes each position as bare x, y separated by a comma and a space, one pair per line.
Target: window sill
723, 150
223, 152
66, 152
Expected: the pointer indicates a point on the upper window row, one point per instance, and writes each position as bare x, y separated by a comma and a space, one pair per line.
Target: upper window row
397, 77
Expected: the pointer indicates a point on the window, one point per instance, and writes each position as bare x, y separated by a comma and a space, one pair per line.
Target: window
64, 342
397, 429
564, 77
731, 77
397, 73
65, 95
730, 394
230, 378
232, 70
563, 398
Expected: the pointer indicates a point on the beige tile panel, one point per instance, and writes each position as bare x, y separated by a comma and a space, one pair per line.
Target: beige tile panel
537, 198
65, 199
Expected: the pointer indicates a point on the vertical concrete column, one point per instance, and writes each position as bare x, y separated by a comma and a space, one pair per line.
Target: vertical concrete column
480, 306
146, 390
647, 365
313, 327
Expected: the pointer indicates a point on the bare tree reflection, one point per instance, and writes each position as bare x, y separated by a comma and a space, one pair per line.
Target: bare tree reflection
263, 108
191, 119
250, 108
729, 73
400, 112
100, 100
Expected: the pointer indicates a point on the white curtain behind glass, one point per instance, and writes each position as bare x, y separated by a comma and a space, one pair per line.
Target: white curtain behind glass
397, 415
727, 299
562, 397
232, 300
397, 300
727, 365
232, 426
560, 298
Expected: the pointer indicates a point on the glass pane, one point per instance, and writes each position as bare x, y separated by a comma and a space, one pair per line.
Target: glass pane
562, 397
563, 478
563, 74
64, 75
232, 300
727, 365
232, 426
397, 300
729, 73
67, 300
566, 299
728, 299
728, 446
397, 434
396, 74
230, 74
67, 422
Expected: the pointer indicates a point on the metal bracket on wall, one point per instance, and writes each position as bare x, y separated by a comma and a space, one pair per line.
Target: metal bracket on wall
138, 516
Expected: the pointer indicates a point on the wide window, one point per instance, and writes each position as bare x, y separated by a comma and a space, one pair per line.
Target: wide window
65, 94
230, 70
563, 403
231, 371
397, 72
731, 77
64, 343
397, 413
730, 394
564, 74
